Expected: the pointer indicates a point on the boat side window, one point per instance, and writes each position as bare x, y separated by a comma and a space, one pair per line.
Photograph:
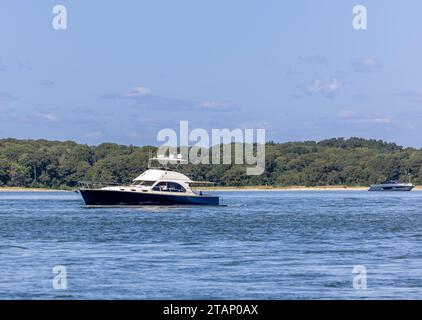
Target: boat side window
168, 187
175, 187
161, 186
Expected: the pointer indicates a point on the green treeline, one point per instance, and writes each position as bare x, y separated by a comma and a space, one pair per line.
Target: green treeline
354, 161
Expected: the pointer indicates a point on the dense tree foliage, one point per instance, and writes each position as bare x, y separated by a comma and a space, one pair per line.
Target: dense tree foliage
354, 161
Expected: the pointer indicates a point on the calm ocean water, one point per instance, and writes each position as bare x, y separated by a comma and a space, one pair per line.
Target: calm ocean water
263, 245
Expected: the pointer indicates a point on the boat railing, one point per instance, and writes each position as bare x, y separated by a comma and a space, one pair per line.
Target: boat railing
97, 184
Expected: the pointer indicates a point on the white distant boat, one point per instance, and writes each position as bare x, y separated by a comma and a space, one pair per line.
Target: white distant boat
391, 186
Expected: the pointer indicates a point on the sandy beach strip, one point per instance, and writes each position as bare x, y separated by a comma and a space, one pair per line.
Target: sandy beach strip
246, 188
290, 188
19, 189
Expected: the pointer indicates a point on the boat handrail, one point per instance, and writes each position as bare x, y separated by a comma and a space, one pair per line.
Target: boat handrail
99, 184
166, 163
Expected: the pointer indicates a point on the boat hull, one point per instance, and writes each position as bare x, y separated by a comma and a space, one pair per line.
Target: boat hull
98, 197
391, 188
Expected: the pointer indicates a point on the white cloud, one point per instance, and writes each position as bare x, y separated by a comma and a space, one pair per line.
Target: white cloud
145, 98
323, 88
139, 91
365, 64
214, 105
333, 86
47, 116
346, 114
382, 120
352, 116
208, 104
315, 87
256, 125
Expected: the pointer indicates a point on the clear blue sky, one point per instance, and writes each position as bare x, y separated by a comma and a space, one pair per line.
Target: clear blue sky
126, 69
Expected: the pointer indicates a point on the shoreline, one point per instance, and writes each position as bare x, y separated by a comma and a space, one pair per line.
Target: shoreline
292, 188
246, 188
20, 189
287, 188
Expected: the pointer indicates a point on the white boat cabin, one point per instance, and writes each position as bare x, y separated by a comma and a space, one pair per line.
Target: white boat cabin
160, 179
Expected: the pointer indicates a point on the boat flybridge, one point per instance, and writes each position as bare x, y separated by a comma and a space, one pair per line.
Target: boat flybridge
158, 185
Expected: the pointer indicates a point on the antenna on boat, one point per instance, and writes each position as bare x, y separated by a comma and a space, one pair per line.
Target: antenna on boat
149, 157
165, 161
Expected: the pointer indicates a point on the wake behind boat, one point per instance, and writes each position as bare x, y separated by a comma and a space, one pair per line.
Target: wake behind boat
156, 186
